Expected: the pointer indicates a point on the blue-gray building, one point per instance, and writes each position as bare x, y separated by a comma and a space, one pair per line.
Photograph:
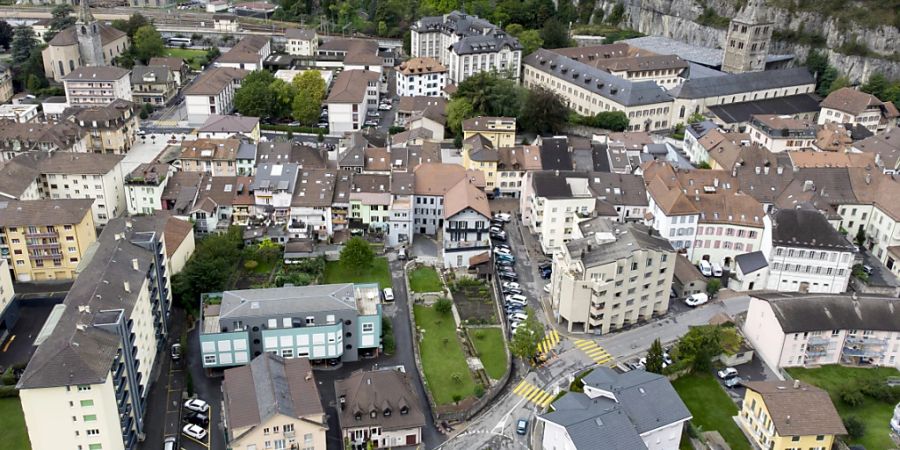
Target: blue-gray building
325, 322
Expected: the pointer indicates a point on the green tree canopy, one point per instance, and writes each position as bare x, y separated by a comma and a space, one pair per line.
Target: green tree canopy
61, 18
212, 264
608, 120
877, 85
309, 88
283, 94
23, 43
132, 25
491, 94
655, 357
524, 342
458, 109
555, 34
357, 254
6, 34
255, 100
147, 43
543, 112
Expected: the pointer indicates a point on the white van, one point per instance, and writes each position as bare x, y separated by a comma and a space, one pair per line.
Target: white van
716, 270
705, 268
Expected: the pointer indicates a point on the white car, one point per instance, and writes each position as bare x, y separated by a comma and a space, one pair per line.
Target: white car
194, 431
388, 294
547, 288
517, 317
517, 298
502, 250
727, 373
511, 285
696, 299
503, 217
195, 404
384, 107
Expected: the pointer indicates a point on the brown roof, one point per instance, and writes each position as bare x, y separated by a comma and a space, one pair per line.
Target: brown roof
350, 45
117, 110
213, 80
729, 208
270, 385
305, 156
217, 192
175, 233
363, 393
415, 104
180, 180
886, 145
251, 43
70, 163
519, 158
363, 58
350, 86
784, 122
724, 147
229, 124
480, 149
97, 73
14, 213
640, 63
465, 195
305, 34
315, 188
632, 140
210, 149
438, 179
850, 100
370, 183
421, 66
418, 133
16, 177
592, 53
685, 271
377, 159
172, 63
238, 56
802, 411
28, 136
833, 137
108, 34
831, 159
427, 152
148, 173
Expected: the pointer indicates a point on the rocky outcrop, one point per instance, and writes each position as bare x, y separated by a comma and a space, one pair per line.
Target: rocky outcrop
677, 19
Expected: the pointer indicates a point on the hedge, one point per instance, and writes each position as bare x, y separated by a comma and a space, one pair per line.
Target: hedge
288, 128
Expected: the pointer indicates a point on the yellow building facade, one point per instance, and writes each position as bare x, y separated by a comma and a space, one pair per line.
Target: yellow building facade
785, 415
501, 131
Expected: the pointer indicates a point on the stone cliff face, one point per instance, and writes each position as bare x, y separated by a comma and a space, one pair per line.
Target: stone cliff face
676, 19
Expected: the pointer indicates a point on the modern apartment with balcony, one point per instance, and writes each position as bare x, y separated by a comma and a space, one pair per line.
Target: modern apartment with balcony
45, 239
553, 204
321, 322
97, 86
88, 380
615, 276
795, 330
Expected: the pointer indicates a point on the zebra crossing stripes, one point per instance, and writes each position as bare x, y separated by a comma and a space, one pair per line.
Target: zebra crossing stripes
533, 394
595, 352
550, 340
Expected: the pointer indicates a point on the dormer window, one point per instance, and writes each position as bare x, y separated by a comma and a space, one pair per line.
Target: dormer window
387, 412
373, 414
404, 410
358, 416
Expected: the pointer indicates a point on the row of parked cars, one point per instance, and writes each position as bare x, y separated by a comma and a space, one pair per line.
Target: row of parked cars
514, 299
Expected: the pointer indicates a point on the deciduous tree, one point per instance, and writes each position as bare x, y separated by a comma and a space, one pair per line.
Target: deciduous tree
147, 43
655, 358
524, 342
6, 34
309, 88
543, 112
61, 18
555, 34
357, 254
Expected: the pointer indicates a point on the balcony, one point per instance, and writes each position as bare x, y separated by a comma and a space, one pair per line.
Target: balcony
466, 245
42, 234
290, 434
866, 341
47, 256
43, 246
862, 352
815, 340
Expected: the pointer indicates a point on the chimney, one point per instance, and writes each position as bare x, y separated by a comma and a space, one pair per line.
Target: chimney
134, 264
779, 170
716, 182
787, 419
796, 385
868, 178
309, 375
758, 170
127, 286
766, 170
808, 185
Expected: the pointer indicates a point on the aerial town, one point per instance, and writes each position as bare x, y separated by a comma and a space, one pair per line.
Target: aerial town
453, 225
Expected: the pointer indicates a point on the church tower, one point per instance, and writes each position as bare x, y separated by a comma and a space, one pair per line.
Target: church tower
87, 32
748, 39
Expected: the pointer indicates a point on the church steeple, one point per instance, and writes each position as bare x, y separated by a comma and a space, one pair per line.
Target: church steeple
748, 39
84, 12
87, 32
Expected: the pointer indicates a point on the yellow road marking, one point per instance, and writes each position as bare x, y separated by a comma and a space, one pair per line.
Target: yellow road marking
8, 343
518, 388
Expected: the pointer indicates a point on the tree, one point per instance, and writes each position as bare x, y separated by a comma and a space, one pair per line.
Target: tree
491, 94
838, 83
357, 254
148, 43
524, 342
132, 25
443, 306
458, 109
214, 260
698, 346
60, 19
585, 11
608, 120
284, 94
856, 428
696, 118
704, 165
877, 85
555, 34
309, 88
255, 100
6, 34
211, 54
530, 39
655, 358
617, 14
713, 286
826, 79
22, 44
860, 236
543, 112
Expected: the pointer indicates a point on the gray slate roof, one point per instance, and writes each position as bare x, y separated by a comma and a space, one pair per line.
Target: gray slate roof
161, 75
790, 105
807, 228
733, 84
629, 238
618, 90
799, 313
711, 57
287, 300
280, 177
751, 262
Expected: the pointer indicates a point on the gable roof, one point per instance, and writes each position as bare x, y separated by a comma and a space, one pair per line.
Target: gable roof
350, 86
798, 409
731, 84
96, 73
214, 80
108, 34
850, 100
751, 262
217, 123
807, 228
365, 392
15, 213
797, 312
438, 178
465, 195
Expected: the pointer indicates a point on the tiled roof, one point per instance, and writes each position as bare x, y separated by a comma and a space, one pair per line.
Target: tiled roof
350, 86
798, 409
97, 73
15, 213
108, 34
733, 84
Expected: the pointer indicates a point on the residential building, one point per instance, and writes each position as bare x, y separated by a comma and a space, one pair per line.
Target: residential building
513, 165
319, 322
273, 402
248, 54
806, 253
90, 379
432, 183
631, 63
589, 90
500, 131
180, 244
467, 218
334, 52
111, 129
154, 85
782, 133
748, 39
301, 42
226, 23
144, 188
246, 158
7, 292
45, 239
784, 415
311, 205
380, 407
687, 280
751, 270
355, 92
216, 157
212, 92
400, 222
87, 43
417, 105
796, 329
81, 175
552, 204
636, 410
213, 209
466, 45
615, 276
179, 69
721, 149
847, 105
19, 113
273, 190
421, 76
370, 201
886, 147
224, 127
97, 86
478, 153
181, 192
18, 138
431, 119
736, 116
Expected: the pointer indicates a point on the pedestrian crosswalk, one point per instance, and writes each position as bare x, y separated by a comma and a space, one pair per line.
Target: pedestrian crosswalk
595, 352
550, 340
533, 394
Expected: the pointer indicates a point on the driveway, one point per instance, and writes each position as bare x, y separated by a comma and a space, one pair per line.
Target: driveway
881, 276
423, 246
18, 346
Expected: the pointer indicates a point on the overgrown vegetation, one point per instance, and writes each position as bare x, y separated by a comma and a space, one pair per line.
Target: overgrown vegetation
866, 13
697, 348
608, 120
388, 344
214, 261
710, 18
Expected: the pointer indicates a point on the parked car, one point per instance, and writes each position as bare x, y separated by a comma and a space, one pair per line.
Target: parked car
705, 268
503, 217
522, 426
384, 107
322, 125
716, 270
176, 352
371, 123
696, 299
511, 291
195, 404
502, 250
196, 418
505, 263
496, 229
517, 298
498, 237
388, 294
727, 373
401, 254
511, 285
733, 382
517, 317
194, 431
170, 443
547, 288
868, 270
509, 276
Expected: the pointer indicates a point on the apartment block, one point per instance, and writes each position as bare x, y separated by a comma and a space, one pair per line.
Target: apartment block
617, 275
97, 86
467, 218
216, 157
847, 105
45, 239
421, 76
144, 188
500, 131
89, 380
212, 92
320, 322
301, 42
111, 128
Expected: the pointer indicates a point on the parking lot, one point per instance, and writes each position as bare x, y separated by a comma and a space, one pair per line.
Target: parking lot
18, 346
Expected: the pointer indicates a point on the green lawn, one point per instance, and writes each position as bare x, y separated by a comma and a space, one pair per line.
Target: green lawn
425, 279
442, 356
711, 407
491, 349
12, 422
876, 414
194, 58
335, 272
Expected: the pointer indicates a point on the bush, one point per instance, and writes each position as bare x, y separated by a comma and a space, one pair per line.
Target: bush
286, 128
479, 390
443, 306
713, 286
852, 396
856, 428
250, 264
8, 378
387, 336
8, 391
395, 129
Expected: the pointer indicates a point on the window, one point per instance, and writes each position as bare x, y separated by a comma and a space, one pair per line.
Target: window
84, 387
209, 359
368, 327
95, 447
267, 431
86, 403
89, 418
92, 432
